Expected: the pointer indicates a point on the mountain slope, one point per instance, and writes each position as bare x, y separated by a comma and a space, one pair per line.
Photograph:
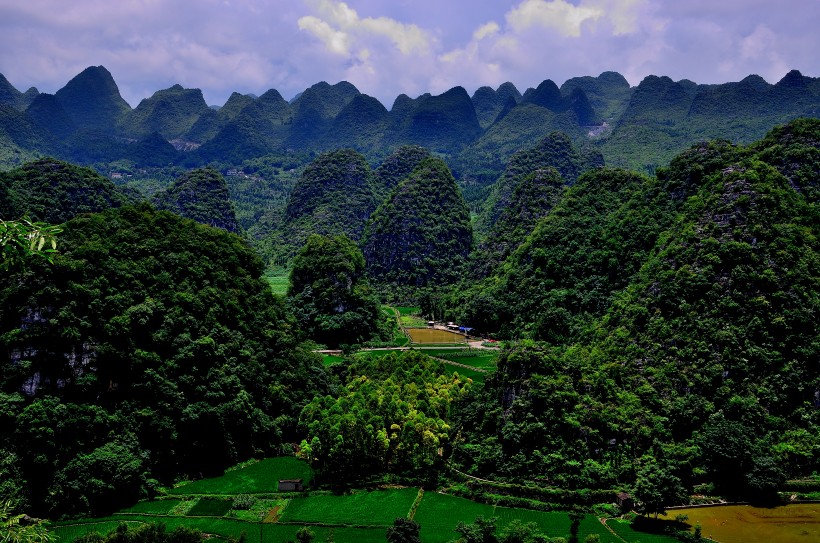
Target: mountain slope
335, 195
93, 101
52, 191
201, 195
699, 360
421, 235
555, 150
171, 112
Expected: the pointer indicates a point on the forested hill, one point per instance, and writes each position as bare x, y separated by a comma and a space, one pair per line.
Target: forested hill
201, 195
335, 195
421, 234
148, 351
681, 346
600, 232
52, 191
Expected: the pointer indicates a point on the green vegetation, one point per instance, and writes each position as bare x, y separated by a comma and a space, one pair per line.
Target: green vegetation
335, 195
171, 112
476, 358
361, 508
92, 100
421, 235
705, 276
330, 296
391, 416
555, 150
260, 477
660, 331
159, 507
200, 195
52, 191
22, 240
149, 349
410, 317
210, 507
279, 280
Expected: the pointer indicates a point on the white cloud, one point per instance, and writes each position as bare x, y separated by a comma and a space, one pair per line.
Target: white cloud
559, 15
757, 44
337, 22
486, 30
335, 41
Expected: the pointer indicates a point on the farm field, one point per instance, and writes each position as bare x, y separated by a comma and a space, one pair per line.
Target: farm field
158, 507
476, 376
358, 516
628, 533
279, 280
256, 478
329, 359
480, 359
362, 508
430, 336
439, 514
410, 317
793, 523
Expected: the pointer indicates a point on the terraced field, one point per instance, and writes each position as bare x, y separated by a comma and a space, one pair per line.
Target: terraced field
357, 516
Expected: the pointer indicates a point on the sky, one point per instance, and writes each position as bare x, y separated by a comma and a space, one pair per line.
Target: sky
389, 47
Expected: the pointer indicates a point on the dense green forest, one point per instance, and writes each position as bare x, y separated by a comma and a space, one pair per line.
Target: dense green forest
148, 350
656, 295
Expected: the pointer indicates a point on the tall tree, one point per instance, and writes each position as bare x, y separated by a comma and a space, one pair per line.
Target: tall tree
329, 293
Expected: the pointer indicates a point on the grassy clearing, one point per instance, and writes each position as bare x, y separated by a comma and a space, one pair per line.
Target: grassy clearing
279, 280
264, 510
156, 507
439, 514
410, 317
363, 508
259, 477
68, 533
476, 376
480, 359
210, 507
330, 359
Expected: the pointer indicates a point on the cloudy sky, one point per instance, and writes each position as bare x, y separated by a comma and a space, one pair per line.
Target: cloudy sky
388, 47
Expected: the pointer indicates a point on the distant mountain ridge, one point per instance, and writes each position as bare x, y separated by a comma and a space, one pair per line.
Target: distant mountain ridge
640, 127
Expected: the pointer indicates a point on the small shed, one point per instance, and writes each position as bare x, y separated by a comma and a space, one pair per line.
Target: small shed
624, 501
290, 485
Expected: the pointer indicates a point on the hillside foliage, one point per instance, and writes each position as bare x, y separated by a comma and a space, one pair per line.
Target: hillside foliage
149, 349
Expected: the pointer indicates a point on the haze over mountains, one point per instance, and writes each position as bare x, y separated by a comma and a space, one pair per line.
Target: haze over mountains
642, 127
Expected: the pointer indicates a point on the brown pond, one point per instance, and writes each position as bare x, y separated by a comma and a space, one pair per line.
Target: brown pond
794, 523
429, 335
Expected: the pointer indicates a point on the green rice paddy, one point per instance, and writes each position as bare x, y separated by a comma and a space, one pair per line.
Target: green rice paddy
256, 478
362, 508
359, 516
210, 507
158, 507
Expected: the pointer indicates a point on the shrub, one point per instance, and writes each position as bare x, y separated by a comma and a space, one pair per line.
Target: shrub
243, 502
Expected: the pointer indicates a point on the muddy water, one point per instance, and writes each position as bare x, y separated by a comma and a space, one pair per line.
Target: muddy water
795, 523
429, 335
